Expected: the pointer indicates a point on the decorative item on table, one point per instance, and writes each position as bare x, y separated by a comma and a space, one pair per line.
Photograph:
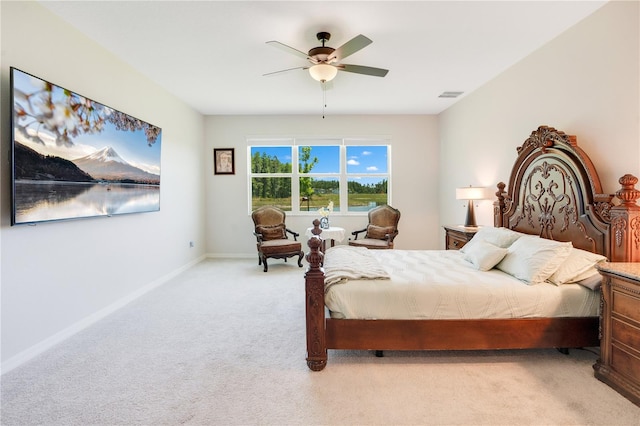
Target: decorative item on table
325, 212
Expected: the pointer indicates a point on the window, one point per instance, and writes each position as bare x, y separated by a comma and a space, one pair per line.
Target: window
271, 177
367, 177
354, 176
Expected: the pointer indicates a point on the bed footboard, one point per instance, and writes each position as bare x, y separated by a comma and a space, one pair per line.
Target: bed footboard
314, 291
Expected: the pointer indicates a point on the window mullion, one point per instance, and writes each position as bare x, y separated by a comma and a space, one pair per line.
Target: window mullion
344, 190
295, 180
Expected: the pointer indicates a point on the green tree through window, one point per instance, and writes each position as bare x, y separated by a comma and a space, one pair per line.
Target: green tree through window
306, 165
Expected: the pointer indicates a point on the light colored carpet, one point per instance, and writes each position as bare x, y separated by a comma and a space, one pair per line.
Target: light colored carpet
224, 344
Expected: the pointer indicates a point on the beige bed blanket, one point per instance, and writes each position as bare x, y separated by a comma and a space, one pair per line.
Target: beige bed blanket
347, 262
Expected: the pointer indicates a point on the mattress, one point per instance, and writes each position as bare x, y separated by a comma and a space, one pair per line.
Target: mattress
440, 284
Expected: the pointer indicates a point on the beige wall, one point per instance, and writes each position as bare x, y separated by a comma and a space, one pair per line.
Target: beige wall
59, 277
414, 155
585, 83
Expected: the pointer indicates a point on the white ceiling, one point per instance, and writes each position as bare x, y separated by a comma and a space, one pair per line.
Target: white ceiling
212, 54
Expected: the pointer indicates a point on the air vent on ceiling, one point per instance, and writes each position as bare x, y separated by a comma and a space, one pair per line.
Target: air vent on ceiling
450, 94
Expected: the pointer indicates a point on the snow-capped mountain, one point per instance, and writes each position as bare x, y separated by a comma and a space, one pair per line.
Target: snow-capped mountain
105, 154
106, 164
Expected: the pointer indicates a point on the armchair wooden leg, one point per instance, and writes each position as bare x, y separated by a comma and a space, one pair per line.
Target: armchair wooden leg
300, 259
264, 260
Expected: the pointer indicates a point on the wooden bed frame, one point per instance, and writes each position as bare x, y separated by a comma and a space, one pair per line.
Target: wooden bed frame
554, 192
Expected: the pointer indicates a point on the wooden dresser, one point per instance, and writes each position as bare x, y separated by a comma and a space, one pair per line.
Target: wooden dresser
457, 236
619, 363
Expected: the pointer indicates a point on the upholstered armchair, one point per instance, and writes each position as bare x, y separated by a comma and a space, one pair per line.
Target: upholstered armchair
271, 235
381, 230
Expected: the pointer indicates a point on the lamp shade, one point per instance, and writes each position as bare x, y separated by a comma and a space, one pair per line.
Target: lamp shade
323, 72
470, 193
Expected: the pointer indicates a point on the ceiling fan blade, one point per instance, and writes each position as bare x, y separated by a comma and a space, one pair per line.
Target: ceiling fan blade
360, 69
281, 71
350, 47
289, 49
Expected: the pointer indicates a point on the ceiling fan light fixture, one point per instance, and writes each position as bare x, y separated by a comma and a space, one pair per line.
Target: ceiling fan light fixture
323, 72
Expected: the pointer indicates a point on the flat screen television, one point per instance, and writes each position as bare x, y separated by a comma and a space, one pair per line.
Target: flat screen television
73, 157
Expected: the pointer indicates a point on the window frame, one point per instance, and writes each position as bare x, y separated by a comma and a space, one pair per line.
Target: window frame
343, 177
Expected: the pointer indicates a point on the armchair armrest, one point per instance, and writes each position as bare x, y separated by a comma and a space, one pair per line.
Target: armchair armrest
355, 233
258, 236
391, 236
295, 234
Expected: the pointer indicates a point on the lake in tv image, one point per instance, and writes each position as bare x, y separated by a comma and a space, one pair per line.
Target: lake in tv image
77, 158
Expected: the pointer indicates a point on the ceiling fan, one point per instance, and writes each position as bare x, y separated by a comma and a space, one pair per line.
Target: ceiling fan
326, 61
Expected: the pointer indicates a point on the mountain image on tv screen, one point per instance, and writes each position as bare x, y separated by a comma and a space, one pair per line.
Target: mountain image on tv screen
74, 157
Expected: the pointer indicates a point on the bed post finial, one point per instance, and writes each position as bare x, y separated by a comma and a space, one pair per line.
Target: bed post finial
314, 290
628, 194
625, 222
315, 256
499, 205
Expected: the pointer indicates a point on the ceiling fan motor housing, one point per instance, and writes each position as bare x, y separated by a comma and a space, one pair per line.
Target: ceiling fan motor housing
321, 53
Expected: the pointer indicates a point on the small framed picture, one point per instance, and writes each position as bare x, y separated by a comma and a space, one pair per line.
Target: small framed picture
223, 161
324, 223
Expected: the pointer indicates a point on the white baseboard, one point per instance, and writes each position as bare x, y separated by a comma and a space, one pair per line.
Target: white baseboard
37, 349
232, 255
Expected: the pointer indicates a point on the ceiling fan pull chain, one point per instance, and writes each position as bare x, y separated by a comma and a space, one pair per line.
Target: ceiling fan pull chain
324, 97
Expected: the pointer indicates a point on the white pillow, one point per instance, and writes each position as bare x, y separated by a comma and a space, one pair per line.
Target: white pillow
484, 255
534, 259
578, 262
501, 237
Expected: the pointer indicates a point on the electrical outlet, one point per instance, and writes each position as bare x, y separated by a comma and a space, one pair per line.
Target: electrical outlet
191, 244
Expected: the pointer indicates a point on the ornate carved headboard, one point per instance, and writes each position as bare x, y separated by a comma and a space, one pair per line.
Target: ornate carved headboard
554, 191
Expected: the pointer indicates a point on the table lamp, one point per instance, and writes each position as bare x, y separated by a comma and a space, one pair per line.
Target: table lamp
470, 193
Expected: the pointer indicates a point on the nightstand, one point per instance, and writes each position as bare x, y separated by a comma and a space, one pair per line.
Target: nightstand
457, 236
619, 362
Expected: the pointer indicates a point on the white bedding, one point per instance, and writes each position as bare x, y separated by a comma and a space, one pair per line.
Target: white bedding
440, 284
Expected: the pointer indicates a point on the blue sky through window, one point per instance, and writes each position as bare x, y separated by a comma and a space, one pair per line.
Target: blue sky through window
328, 158
367, 159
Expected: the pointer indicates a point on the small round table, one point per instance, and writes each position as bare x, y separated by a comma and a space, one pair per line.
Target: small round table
333, 233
